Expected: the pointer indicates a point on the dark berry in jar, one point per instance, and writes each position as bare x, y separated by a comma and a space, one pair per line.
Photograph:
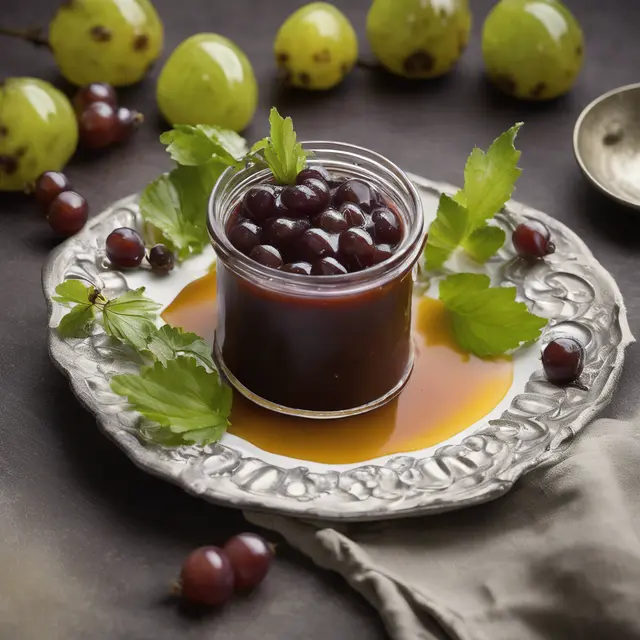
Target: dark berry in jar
95, 92
267, 256
353, 215
386, 226
125, 248
161, 258
328, 267
356, 248
563, 361
128, 122
321, 189
98, 125
303, 268
358, 192
532, 240
49, 186
260, 202
207, 577
68, 213
331, 221
244, 235
302, 200
383, 252
250, 556
315, 244
318, 172
282, 233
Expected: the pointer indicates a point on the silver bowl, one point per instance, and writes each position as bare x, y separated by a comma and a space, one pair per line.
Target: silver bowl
606, 142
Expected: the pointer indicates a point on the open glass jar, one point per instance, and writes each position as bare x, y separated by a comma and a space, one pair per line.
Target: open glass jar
309, 345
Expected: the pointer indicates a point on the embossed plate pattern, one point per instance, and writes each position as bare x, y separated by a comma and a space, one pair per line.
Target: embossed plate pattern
570, 288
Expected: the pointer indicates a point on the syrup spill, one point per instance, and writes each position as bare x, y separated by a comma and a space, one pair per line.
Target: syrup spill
448, 391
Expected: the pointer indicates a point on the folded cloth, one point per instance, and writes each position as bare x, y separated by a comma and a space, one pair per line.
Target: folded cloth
558, 557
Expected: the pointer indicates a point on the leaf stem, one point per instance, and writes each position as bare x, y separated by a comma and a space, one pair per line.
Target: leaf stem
33, 35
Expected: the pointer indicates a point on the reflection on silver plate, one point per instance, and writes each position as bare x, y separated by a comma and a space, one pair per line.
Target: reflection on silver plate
570, 288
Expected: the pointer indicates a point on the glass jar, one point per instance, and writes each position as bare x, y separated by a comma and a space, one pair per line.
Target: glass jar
317, 346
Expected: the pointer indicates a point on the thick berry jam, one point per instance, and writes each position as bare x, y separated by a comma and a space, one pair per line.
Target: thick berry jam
335, 226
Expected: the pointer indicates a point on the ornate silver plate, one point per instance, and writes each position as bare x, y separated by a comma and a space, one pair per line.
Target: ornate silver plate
570, 288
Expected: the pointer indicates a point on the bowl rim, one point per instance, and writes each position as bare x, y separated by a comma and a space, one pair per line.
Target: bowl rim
576, 136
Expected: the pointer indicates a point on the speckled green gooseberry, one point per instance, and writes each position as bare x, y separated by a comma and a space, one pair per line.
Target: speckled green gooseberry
208, 80
38, 131
418, 38
532, 49
316, 46
113, 41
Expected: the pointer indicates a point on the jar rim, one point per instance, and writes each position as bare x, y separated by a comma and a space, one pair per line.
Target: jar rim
323, 285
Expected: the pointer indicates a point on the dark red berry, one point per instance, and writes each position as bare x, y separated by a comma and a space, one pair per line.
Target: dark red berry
356, 249
267, 256
98, 125
353, 215
68, 213
563, 361
328, 267
128, 122
532, 240
96, 92
317, 171
260, 202
321, 189
244, 235
250, 556
282, 233
49, 186
315, 244
302, 200
125, 248
207, 577
386, 226
383, 252
303, 268
331, 221
161, 258
357, 192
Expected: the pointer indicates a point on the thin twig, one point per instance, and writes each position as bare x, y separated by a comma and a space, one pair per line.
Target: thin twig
29, 35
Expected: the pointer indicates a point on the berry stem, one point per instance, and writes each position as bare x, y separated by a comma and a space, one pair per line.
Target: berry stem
33, 35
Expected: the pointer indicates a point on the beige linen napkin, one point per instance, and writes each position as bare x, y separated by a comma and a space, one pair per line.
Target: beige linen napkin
558, 557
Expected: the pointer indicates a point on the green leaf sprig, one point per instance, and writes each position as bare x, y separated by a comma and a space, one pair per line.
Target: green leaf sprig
489, 180
179, 388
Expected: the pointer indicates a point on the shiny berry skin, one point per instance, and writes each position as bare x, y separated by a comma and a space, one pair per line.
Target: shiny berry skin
128, 122
303, 268
96, 92
161, 259
563, 361
260, 202
267, 256
331, 221
250, 556
282, 233
49, 186
383, 252
356, 249
321, 189
303, 200
532, 240
328, 267
98, 125
318, 172
353, 215
358, 192
207, 577
315, 244
386, 226
125, 248
68, 213
244, 235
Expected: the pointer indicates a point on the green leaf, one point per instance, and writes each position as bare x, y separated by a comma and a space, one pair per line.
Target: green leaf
168, 342
282, 153
77, 323
483, 242
73, 291
130, 318
489, 177
200, 144
487, 321
182, 396
446, 232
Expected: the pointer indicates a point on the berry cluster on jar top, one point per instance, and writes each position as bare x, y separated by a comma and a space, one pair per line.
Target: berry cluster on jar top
322, 225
